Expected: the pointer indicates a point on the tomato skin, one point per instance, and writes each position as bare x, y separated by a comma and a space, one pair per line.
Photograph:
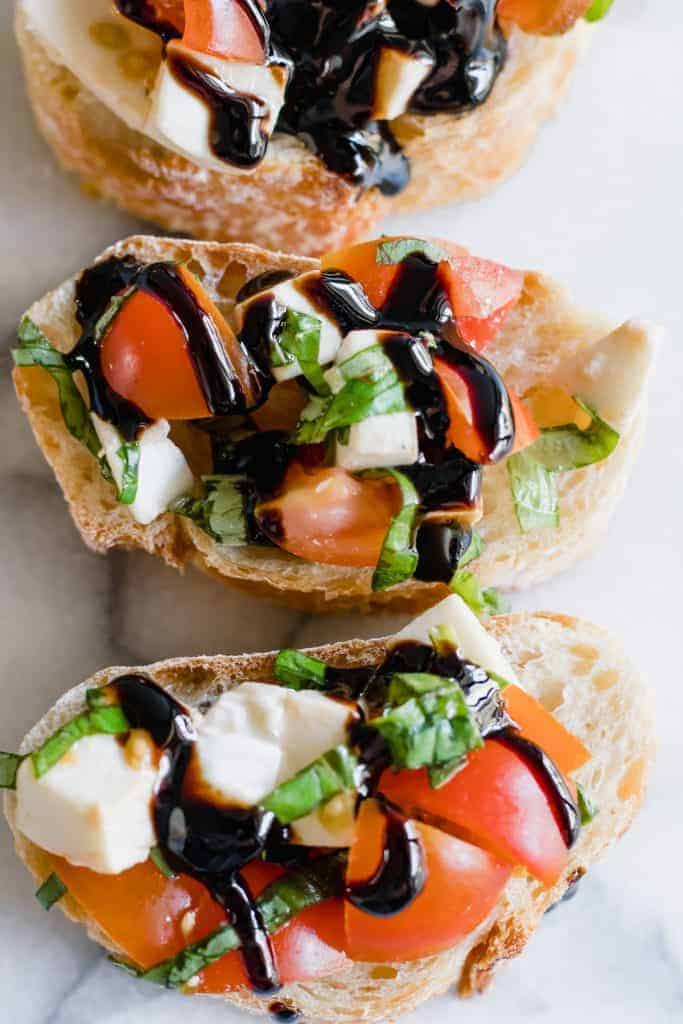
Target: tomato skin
327, 515
462, 430
479, 331
153, 918
543, 17
526, 428
222, 28
462, 887
497, 800
540, 726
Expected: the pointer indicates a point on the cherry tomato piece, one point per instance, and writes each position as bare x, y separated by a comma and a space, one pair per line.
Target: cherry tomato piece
526, 428
222, 28
540, 726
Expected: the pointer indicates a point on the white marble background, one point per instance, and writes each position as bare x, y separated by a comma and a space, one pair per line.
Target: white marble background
599, 204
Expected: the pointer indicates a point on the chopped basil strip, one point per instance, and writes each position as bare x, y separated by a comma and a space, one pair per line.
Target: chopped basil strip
51, 891
534, 492
559, 449
598, 10
112, 310
157, 858
482, 602
97, 697
398, 558
314, 785
221, 512
279, 903
474, 550
35, 350
443, 639
587, 808
299, 341
109, 720
129, 453
9, 766
427, 722
371, 387
502, 683
395, 250
439, 775
299, 671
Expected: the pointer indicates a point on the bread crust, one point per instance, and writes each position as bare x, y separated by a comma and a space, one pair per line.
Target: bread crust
542, 333
575, 668
292, 201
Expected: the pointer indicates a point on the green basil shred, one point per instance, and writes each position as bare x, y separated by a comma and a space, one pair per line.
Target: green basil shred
129, 453
314, 785
299, 671
157, 858
587, 808
398, 558
395, 250
279, 903
534, 492
9, 766
299, 341
51, 891
598, 10
221, 512
107, 719
482, 602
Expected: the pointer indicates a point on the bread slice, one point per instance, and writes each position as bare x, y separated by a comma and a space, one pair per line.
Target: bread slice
545, 339
292, 201
576, 669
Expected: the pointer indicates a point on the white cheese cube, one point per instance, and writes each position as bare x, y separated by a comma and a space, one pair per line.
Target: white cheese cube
181, 118
292, 295
333, 824
474, 643
387, 440
313, 725
397, 78
93, 807
358, 341
163, 472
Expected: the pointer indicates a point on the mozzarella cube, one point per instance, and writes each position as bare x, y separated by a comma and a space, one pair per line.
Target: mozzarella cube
163, 472
386, 440
333, 824
397, 78
474, 642
313, 725
292, 295
93, 807
358, 341
182, 119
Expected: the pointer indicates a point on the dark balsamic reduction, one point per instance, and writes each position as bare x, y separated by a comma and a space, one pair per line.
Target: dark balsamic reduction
146, 14
566, 811
223, 389
237, 133
208, 842
401, 875
440, 547
283, 1013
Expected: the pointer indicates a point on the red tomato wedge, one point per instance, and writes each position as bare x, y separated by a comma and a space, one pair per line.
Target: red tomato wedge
463, 885
526, 428
478, 331
326, 515
360, 263
222, 28
543, 17
152, 918
498, 801
462, 430
540, 726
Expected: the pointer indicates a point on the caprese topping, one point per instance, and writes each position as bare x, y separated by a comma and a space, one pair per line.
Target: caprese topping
346, 415
367, 813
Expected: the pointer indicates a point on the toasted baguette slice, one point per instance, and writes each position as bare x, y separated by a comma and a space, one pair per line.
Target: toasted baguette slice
292, 200
574, 668
545, 339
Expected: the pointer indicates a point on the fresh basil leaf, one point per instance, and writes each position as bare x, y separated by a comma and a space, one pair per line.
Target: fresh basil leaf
482, 602
314, 785
221, 512
439, 775
112, 310
279, 903
110, 720
398, 558
395, 250
51, 891
443, 639
474, 550
129, 453
299, 671
97, 697
587, 809
502, 683
560, 449
35, 350
434, 727
9, 766
598, 10
534, 492
299, 340
157, 858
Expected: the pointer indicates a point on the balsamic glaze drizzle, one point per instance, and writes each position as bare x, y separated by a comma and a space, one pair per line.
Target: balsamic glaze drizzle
567, 812
223, 391
401, 875
333, 51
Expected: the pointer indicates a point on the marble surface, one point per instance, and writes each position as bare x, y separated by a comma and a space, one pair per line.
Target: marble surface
599, 205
